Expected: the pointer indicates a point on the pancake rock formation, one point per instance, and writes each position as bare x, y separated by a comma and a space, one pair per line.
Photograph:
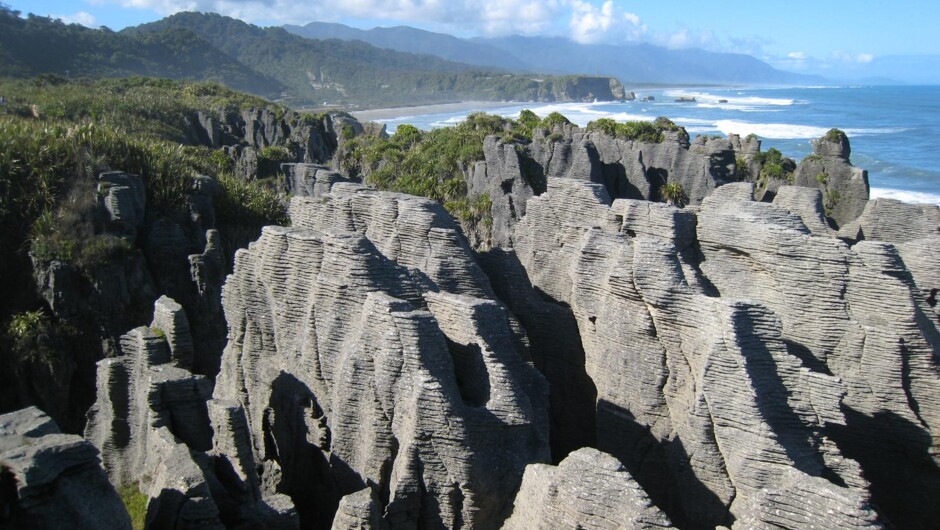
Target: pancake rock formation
367, 351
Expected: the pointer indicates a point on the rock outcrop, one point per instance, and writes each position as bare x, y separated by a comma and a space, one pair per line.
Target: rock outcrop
513, 173
689, 386
309, 180
853, 312
51, 480
366, 349
588, 489
153, 426
844, 186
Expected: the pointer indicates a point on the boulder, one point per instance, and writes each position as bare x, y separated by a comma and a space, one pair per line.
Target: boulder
309, 180
51, 480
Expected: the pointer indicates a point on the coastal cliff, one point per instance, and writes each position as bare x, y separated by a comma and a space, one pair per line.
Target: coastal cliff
555, 338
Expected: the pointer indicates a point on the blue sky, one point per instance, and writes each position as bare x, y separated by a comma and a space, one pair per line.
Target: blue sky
832, 37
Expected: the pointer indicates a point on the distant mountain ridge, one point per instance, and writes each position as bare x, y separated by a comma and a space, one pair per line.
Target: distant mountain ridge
631, 63
413, 40
272, 62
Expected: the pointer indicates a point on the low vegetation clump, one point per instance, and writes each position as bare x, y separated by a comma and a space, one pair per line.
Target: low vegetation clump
639, 131
674, 194
32, 336
136, 504
835, 135
774, 166
431, 164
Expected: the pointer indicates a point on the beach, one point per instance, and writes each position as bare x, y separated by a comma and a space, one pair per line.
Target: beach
423, 110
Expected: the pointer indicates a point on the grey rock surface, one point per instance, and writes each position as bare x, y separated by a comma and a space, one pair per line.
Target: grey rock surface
159, 432
807, 204
512, 173
123, 198
844, 186
365, 348
309, 180
52, 480
688, 386
853, 312
361, 510
588, 489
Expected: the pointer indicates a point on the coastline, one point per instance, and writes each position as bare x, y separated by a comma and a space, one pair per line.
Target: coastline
422, 110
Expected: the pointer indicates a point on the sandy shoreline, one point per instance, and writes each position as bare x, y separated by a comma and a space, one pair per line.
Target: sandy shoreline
421, 110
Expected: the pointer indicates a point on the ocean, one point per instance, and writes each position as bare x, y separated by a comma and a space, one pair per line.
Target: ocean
894, 130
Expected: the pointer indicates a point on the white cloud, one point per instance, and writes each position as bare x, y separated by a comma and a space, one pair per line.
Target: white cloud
82, 17
852, 58
591, 24
489, 17
687, 38
797, 56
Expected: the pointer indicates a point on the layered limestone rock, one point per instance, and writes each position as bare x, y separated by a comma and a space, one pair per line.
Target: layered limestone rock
123, 198
807, 204
51, 480
853, 312
588, 489
152, 425
309, 180
365, 349
844, 187
512, 173
697, 395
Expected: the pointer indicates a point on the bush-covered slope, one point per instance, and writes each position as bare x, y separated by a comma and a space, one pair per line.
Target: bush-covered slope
38, 45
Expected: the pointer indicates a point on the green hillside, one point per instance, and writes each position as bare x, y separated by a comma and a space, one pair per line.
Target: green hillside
38, 45
265, 61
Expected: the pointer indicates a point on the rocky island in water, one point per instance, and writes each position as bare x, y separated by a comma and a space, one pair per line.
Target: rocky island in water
615, 326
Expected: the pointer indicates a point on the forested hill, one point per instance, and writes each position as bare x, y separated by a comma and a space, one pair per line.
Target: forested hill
38, 45
270, 62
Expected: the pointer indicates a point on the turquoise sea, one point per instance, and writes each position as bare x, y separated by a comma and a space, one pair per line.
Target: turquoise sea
894, 130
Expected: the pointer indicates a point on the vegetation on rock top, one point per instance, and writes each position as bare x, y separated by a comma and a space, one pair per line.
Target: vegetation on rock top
640, 131
55, 137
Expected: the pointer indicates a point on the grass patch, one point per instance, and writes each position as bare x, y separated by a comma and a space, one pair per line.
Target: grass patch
136, 504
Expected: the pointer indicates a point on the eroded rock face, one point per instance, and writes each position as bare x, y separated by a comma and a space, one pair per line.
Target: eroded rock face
309, 180
52, 480
688, 385
513, 173
366, 348
588, 489
844, 187
153, 425
853, 312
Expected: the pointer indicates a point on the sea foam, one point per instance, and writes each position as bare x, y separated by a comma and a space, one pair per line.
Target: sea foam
915, 197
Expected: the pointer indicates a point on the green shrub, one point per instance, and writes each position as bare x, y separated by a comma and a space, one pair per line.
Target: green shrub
274, 153
33, 336
741, 169
527, 122
835, 135
674, 194
773, 166
640, 131
553, 119
136, 504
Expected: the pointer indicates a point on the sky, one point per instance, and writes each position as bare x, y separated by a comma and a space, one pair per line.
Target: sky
828, 37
